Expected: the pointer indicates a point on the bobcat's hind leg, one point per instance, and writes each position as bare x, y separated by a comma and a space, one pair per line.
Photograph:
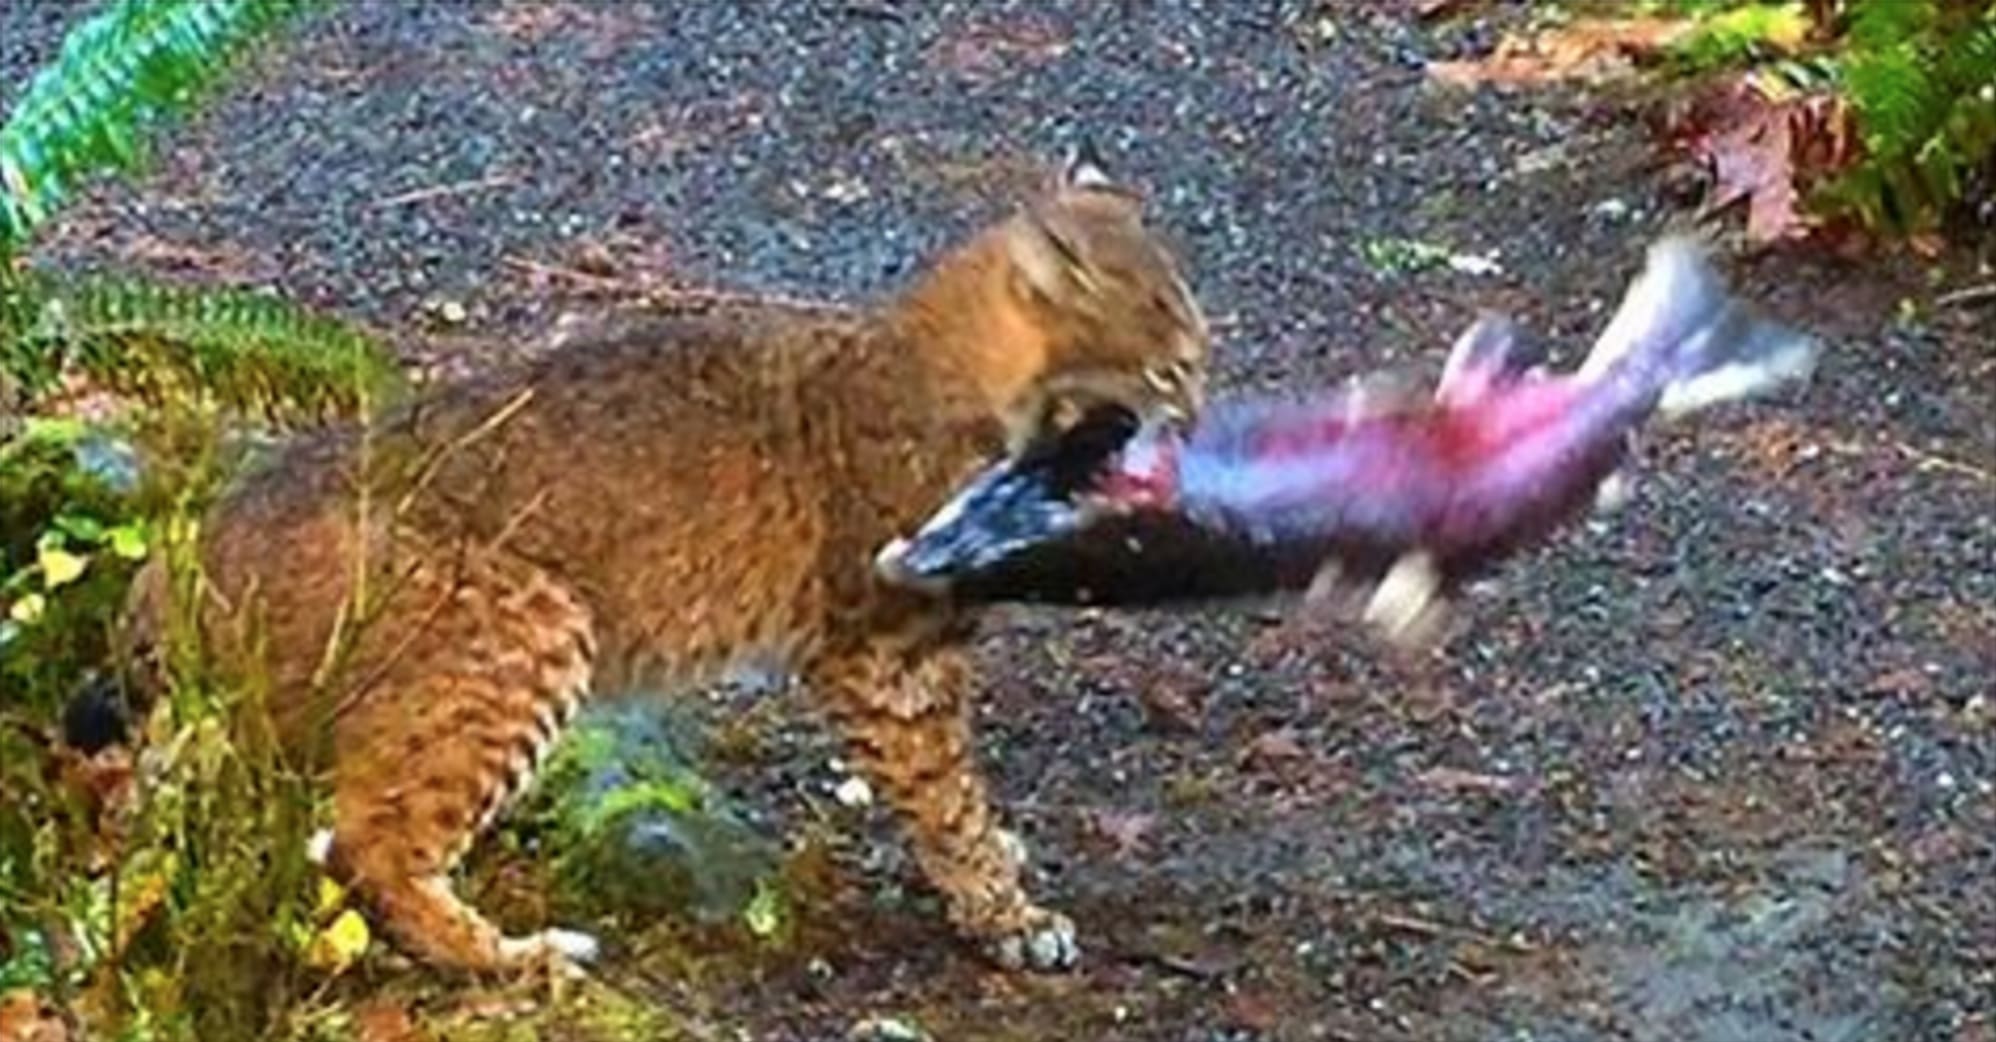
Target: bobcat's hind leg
435, 750
905, 713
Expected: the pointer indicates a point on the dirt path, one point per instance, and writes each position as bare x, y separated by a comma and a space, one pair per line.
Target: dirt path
1723, 769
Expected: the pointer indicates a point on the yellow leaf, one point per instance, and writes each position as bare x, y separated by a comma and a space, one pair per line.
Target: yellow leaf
128, 542
143, 896
331, 894
337, 946
59, 566
764, 914
28, 608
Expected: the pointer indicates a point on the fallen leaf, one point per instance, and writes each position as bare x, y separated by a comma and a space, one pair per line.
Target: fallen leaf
59, 566
337, 946
1764, 144
142, 898
1928, 245
24, 1017
1272, 748
1254, 1010
1456, 780
1908, 680
1128, 830
1167, 700
104, 780
331, 899
384, 1020
1591, 49
1753, 162
987, 51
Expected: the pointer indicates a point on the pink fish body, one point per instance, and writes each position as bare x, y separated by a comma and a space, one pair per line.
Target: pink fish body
1496, 459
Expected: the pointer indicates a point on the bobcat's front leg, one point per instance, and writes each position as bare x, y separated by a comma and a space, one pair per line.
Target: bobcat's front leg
905, 713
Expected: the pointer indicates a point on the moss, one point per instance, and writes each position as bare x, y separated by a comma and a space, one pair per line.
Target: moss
635, 830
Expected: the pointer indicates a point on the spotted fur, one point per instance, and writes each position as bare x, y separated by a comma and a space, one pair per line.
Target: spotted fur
661, 497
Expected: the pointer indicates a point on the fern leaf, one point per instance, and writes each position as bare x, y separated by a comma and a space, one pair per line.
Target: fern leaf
120, 72
1897, 97
247, 350
1922, 77
1881, 24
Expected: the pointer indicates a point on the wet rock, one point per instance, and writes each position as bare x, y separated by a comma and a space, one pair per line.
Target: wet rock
634, 827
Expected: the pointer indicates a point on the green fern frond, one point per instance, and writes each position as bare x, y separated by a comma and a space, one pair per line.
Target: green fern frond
1896, 97
119, 73
1877, 26
247, 350
1922, 78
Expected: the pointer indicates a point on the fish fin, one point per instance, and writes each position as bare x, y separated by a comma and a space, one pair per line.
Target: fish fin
1382, 393
1713, 347
1493, 351
1408, 607
1739, 356
1672, 271
1325, 583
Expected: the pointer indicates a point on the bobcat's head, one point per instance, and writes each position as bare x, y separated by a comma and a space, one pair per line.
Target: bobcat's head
1121, 328
1068, 305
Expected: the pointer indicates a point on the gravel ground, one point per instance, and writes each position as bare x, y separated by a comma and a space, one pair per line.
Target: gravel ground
1720, 768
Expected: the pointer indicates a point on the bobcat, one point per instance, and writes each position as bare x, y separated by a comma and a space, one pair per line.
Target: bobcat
426, 601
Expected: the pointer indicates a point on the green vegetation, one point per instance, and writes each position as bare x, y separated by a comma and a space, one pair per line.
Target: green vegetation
169, 899
634, 830
1922, 77
120, 73
172, 898
1909, 133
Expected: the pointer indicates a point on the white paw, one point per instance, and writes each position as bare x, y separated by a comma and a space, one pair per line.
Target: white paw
1014, 847
567, 950
573, 945
1046, 943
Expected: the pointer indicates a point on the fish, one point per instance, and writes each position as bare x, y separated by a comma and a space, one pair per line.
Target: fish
1377, 486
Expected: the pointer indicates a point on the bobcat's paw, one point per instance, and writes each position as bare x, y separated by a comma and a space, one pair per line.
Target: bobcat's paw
1013, 847
1045, 941
565, 951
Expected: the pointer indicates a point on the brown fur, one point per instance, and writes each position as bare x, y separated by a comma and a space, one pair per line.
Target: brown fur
654, 502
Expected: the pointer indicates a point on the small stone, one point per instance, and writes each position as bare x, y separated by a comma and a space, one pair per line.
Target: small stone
853, 792
452, 312
847, 190
886, 1029
1476, 264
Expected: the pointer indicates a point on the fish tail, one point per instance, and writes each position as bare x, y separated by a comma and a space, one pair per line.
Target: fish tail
1703, 345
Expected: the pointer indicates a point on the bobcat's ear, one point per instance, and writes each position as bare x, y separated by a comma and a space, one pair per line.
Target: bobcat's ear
1085, 168
1048, 260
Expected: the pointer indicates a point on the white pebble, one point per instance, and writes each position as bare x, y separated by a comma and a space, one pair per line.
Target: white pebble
853, 792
